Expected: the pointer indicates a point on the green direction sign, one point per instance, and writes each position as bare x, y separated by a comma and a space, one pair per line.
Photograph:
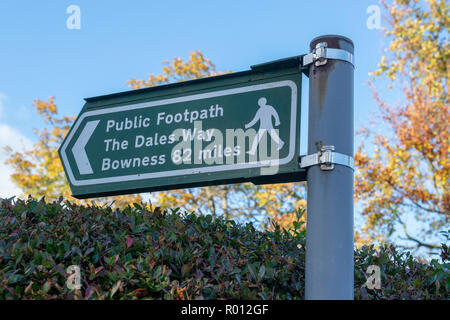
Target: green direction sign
226, 129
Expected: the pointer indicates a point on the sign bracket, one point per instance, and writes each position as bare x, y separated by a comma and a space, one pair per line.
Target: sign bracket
320, 55
327, 158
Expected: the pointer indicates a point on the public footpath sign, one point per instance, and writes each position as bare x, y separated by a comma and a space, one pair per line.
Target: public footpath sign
239, 127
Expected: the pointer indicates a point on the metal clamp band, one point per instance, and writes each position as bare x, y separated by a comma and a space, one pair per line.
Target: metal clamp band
321, 54
327, 158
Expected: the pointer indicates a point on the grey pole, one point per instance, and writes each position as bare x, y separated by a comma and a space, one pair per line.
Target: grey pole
329, 227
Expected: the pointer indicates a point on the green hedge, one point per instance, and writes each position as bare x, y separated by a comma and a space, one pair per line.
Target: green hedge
137, 254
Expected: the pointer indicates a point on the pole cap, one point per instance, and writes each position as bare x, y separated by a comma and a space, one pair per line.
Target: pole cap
334, 41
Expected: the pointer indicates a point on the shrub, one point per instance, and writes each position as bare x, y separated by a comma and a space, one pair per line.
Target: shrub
138, 254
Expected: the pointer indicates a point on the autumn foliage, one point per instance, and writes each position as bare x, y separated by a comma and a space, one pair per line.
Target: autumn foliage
39, 171
406, 175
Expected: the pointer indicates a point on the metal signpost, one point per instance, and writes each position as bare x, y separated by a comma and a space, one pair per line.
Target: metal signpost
329, 225
239, 127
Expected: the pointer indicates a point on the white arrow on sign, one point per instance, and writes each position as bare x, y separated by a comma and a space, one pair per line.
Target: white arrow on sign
79, 151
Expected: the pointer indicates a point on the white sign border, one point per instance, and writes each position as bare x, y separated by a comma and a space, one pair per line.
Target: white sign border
162, 174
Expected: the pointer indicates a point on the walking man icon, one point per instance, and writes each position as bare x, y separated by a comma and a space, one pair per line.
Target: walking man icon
264, 116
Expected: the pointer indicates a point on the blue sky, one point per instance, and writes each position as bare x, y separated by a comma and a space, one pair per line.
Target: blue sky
40, 57
118, 40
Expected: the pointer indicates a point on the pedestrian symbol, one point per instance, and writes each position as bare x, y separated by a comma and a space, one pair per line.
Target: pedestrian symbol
264, 116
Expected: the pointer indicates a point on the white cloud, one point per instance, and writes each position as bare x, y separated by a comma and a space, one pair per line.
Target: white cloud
18, 142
